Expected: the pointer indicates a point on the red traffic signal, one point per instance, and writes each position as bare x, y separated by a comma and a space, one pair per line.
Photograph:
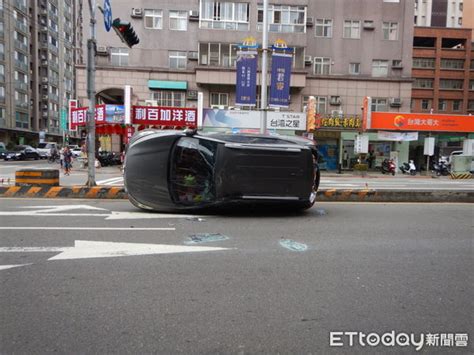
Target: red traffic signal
126, 33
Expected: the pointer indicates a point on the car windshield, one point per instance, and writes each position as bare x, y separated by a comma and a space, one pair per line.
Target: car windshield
192, 171
42, 145
19, 148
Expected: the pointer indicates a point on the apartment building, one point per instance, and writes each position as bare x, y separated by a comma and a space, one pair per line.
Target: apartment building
343, 50
36, 68
439, 13
443, 71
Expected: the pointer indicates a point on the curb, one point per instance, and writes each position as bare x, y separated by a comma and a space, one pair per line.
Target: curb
354, 195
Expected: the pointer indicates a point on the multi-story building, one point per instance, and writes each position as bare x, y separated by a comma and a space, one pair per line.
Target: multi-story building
37, 67
439, 13
442, 71
468, 21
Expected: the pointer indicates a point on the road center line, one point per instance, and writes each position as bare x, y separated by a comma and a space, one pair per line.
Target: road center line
89, 228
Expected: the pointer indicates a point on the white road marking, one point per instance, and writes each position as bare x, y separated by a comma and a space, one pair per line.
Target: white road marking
84, 249
91, 228
111, 181
59, 208
145, 215
5, 267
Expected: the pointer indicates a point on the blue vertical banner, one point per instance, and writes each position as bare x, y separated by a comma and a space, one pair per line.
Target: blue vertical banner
246, 91
281, 75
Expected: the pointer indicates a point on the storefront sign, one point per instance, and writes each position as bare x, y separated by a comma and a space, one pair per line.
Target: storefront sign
361, 144
79, 116
397, 136
280, 84
113, 114
421, 122
214, 118
71, 105
164, 116
347, 122
246, 82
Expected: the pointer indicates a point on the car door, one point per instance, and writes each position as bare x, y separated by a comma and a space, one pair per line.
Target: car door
29, 153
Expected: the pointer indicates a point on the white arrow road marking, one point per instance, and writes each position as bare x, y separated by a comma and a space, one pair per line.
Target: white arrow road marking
90, 228
111, 181
59, 211
84, 249
4, 267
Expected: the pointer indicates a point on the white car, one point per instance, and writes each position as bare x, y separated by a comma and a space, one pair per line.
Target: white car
76, 152
45, 148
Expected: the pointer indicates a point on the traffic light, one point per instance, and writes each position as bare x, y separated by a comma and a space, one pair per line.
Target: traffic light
125, 31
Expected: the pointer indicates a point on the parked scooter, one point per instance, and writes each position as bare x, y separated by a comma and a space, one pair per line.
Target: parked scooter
440, 168
408, 168
388, 166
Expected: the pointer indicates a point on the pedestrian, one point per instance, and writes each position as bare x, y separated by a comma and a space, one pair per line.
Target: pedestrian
371, 159
346, 159
67, 160
61, 157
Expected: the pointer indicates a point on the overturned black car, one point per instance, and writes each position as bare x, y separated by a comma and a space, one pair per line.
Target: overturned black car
186, 170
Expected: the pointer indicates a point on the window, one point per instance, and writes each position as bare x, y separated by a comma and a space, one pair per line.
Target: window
21, 120
169, 98
452, 63
470, 105
2, 72
423, 63
471, 85
354, 68
323, 28
283, 18
442, 105
351, 29
217, 54
322, 66
119, 56
2, 117
219, 99
379, 104
379, 68
178, 20
423, 84
2, 93
321, 103
153, 19
425, 104
390, 31
224, 15
450, 84
471, 67
457, 104
177, 60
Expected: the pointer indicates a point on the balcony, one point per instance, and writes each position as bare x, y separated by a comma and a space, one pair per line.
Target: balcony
21, 5
53, 48
53, 16
54, 66
21, 105
22, 27
21, 65
21, 46
53, 81
54, 97
21, 86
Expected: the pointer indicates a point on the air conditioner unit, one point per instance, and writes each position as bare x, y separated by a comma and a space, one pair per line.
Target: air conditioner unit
44, 87
193, 55
397, 64
44, 62
308, 60
44, 80
192, 95
193, 15
369, 25
151, 103
395, 102
45, 114
335, 100
45, 97
45, 107
337, 113
309, 21
102, 50
137, 13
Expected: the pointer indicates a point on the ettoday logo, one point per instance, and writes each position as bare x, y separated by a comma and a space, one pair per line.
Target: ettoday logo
392, 339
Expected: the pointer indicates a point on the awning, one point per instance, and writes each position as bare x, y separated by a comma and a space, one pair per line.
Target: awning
166, 84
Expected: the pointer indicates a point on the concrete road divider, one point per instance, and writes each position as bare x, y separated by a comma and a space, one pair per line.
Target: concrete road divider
355, 195
465, 175
37, 177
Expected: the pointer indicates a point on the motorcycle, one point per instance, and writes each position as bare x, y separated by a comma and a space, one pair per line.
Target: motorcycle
408, 168
440, 168
388, 166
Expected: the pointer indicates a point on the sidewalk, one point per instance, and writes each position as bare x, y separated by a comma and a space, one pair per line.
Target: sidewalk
377, 175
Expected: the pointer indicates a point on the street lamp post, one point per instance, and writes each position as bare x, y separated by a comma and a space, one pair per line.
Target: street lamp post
263, 83
91, 43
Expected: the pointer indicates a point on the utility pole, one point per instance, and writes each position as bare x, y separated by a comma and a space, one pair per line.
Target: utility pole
91, 45
263, 83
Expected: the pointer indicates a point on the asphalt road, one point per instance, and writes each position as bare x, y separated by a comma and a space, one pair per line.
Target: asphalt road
357, 267
112, 176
